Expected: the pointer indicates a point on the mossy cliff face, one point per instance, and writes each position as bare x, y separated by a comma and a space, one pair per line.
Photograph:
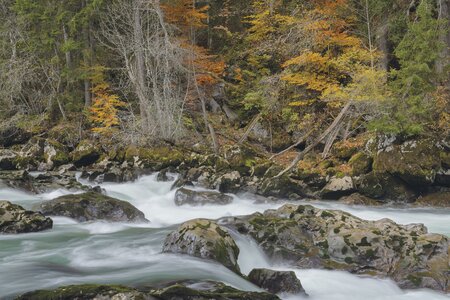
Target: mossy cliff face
15, 219
205, 239
315, 238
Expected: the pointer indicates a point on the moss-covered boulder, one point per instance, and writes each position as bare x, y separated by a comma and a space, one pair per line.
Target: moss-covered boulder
185, 196
338, 187
276, 281
415, 162
314, 238
241, 158
13, 135
205, 239
8, 159
281, 187
87, 292
361, 163
92, 206
358, 199
155, 158
15, 219
384, 186
55, 154
186, 290
86, 153
438, 199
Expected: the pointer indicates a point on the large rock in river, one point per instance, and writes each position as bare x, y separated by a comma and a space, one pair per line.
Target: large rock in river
276, 281
187, 290
313, 238
92, 206
15, 219
205, 239
185, 196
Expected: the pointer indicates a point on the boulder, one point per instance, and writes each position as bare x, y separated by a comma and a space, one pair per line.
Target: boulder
185, 196
438, 199
276, 281
187, 290
314, 238
360, 163
15, 219
358, 199
55, 154
87, 292
229, 182
155, 159
85, 154
415, 162
384, 186
92, 206
8, 159
10, 136
338, 187
204, 239
281, 187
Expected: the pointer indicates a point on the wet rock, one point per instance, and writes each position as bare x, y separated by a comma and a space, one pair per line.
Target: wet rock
186, 290
207, 290
8, 159
338, 187
229, 183
164, 176
205, 239
280, 187
313, 238
87, 292
12, 135
15, 219
276, 281
358, 199
438, 199
185, 196
415, 162
92, 206
85, 154
384, 186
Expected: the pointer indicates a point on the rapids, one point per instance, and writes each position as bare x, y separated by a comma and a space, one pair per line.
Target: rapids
100, 252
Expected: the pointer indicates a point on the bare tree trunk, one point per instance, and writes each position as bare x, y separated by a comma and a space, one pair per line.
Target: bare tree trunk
67, 54
369, 35
444, 35
299, 141
302, 154
330, 141
249, 129
140, 64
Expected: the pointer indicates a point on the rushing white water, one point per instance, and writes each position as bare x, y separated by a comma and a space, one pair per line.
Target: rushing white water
100, 252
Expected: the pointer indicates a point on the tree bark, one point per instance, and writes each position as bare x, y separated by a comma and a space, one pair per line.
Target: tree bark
302, 154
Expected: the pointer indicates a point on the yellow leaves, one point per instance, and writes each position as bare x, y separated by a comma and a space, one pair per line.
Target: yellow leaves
105, 105
184, 14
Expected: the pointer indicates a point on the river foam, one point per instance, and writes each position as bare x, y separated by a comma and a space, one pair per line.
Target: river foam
101, 252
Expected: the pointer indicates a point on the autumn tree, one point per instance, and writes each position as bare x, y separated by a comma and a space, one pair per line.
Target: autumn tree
105, 105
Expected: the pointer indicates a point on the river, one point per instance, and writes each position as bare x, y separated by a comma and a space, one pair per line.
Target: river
130, 254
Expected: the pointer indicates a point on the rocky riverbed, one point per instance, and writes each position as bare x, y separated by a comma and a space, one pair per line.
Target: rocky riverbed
142, 259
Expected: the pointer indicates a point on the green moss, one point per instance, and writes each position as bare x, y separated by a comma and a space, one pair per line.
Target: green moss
416, 280
326, 214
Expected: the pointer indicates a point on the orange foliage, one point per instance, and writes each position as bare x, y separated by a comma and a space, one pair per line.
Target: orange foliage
187, 17
105, 105
331, 62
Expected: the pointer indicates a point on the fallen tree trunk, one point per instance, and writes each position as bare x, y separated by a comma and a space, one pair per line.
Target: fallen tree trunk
302, 154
